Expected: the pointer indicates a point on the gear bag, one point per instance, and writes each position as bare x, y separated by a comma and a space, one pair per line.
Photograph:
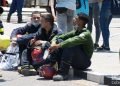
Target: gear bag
10, 60
40, 52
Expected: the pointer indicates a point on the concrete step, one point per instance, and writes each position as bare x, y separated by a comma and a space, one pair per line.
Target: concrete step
26, 12
101, 78
6, 9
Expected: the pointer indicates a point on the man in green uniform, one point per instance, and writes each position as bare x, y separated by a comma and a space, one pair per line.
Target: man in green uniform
75, 50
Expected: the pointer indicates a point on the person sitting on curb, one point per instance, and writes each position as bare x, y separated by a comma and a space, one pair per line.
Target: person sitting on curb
45, 34
24, 34
74, 49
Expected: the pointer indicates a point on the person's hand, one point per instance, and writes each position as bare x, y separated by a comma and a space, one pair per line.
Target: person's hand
32, 41
53, 43
13, 41
39, 42
54, 47
18, 35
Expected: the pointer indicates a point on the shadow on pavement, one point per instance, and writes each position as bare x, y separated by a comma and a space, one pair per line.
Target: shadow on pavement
106, 51
2, 80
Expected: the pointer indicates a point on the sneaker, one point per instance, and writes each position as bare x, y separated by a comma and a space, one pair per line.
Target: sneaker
28, 72
22, 67
96, 46
103, 48
60, 77
19, 70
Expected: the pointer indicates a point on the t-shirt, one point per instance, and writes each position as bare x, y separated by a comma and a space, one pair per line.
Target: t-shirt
70, 4
82, 6
94, 1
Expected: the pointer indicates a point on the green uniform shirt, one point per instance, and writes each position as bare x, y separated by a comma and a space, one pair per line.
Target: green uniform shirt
77, 37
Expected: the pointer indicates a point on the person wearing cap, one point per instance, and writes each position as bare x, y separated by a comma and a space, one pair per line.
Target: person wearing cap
74, 49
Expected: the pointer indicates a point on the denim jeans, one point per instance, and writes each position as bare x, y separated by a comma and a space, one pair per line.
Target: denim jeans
16, 5
105, 19
24, 60
65, 20
94, 12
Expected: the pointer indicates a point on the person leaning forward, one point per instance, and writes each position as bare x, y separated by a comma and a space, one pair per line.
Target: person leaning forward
74, 49
45, 34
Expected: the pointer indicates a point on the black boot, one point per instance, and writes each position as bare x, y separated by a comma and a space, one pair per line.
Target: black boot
20, 19
62, 72
8, 18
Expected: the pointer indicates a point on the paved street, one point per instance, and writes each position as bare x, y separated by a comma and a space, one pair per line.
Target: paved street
14, 79
102, 62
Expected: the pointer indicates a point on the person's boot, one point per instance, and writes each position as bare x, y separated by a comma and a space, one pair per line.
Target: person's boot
62, 72
20, 19
8, 18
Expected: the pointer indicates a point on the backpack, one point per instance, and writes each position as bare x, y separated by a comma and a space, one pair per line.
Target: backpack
82, 6
40, 53
4, 42
10, 60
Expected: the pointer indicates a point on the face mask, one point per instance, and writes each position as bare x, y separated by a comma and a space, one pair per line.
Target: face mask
76, 27
35, 23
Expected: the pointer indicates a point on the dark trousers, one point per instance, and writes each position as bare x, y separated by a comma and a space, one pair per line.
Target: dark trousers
73, 56
16, 5
66, 57
29, 57
105, 19
21, 48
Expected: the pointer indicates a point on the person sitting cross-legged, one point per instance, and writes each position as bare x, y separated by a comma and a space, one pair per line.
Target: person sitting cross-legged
74, 49
27, 32
47, 31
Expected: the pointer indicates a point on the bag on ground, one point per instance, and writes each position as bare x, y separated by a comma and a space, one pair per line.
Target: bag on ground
10, 60
4, 42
